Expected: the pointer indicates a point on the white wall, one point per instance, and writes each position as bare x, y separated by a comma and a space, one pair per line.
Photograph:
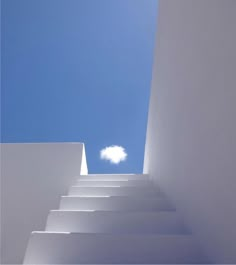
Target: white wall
33, 177
191, 136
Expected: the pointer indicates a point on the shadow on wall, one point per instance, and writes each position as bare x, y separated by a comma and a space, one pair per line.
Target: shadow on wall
33, 177
190, 146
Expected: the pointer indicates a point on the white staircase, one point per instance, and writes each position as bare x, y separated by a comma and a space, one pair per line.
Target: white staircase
114, 219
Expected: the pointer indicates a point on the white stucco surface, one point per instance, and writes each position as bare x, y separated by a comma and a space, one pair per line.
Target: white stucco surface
33, 177
191, 136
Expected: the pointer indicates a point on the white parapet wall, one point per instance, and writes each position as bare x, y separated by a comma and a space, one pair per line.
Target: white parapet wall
33, 178
191, 136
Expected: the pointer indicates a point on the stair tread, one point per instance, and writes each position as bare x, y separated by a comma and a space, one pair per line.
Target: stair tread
114, 190
128, 203
115, 222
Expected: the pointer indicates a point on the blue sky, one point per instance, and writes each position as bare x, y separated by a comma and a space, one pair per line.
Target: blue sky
78, 71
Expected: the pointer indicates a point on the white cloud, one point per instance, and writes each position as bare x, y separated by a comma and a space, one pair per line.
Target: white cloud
115, 154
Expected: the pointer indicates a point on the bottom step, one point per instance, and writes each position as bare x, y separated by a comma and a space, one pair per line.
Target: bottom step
76, 248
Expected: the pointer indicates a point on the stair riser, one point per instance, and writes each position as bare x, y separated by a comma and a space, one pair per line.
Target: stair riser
115, 222
100, 183
114, 177
105, 249
114, 204
113, 191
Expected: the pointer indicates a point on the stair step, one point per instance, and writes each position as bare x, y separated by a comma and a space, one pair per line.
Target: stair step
105, 183
113, 191
114, 177
82, 248
115, 222
116, 203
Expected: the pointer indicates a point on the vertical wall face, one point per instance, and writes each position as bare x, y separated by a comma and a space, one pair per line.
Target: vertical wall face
191, 136
33, 177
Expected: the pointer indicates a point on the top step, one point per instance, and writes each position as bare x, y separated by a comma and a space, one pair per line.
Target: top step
111, 177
